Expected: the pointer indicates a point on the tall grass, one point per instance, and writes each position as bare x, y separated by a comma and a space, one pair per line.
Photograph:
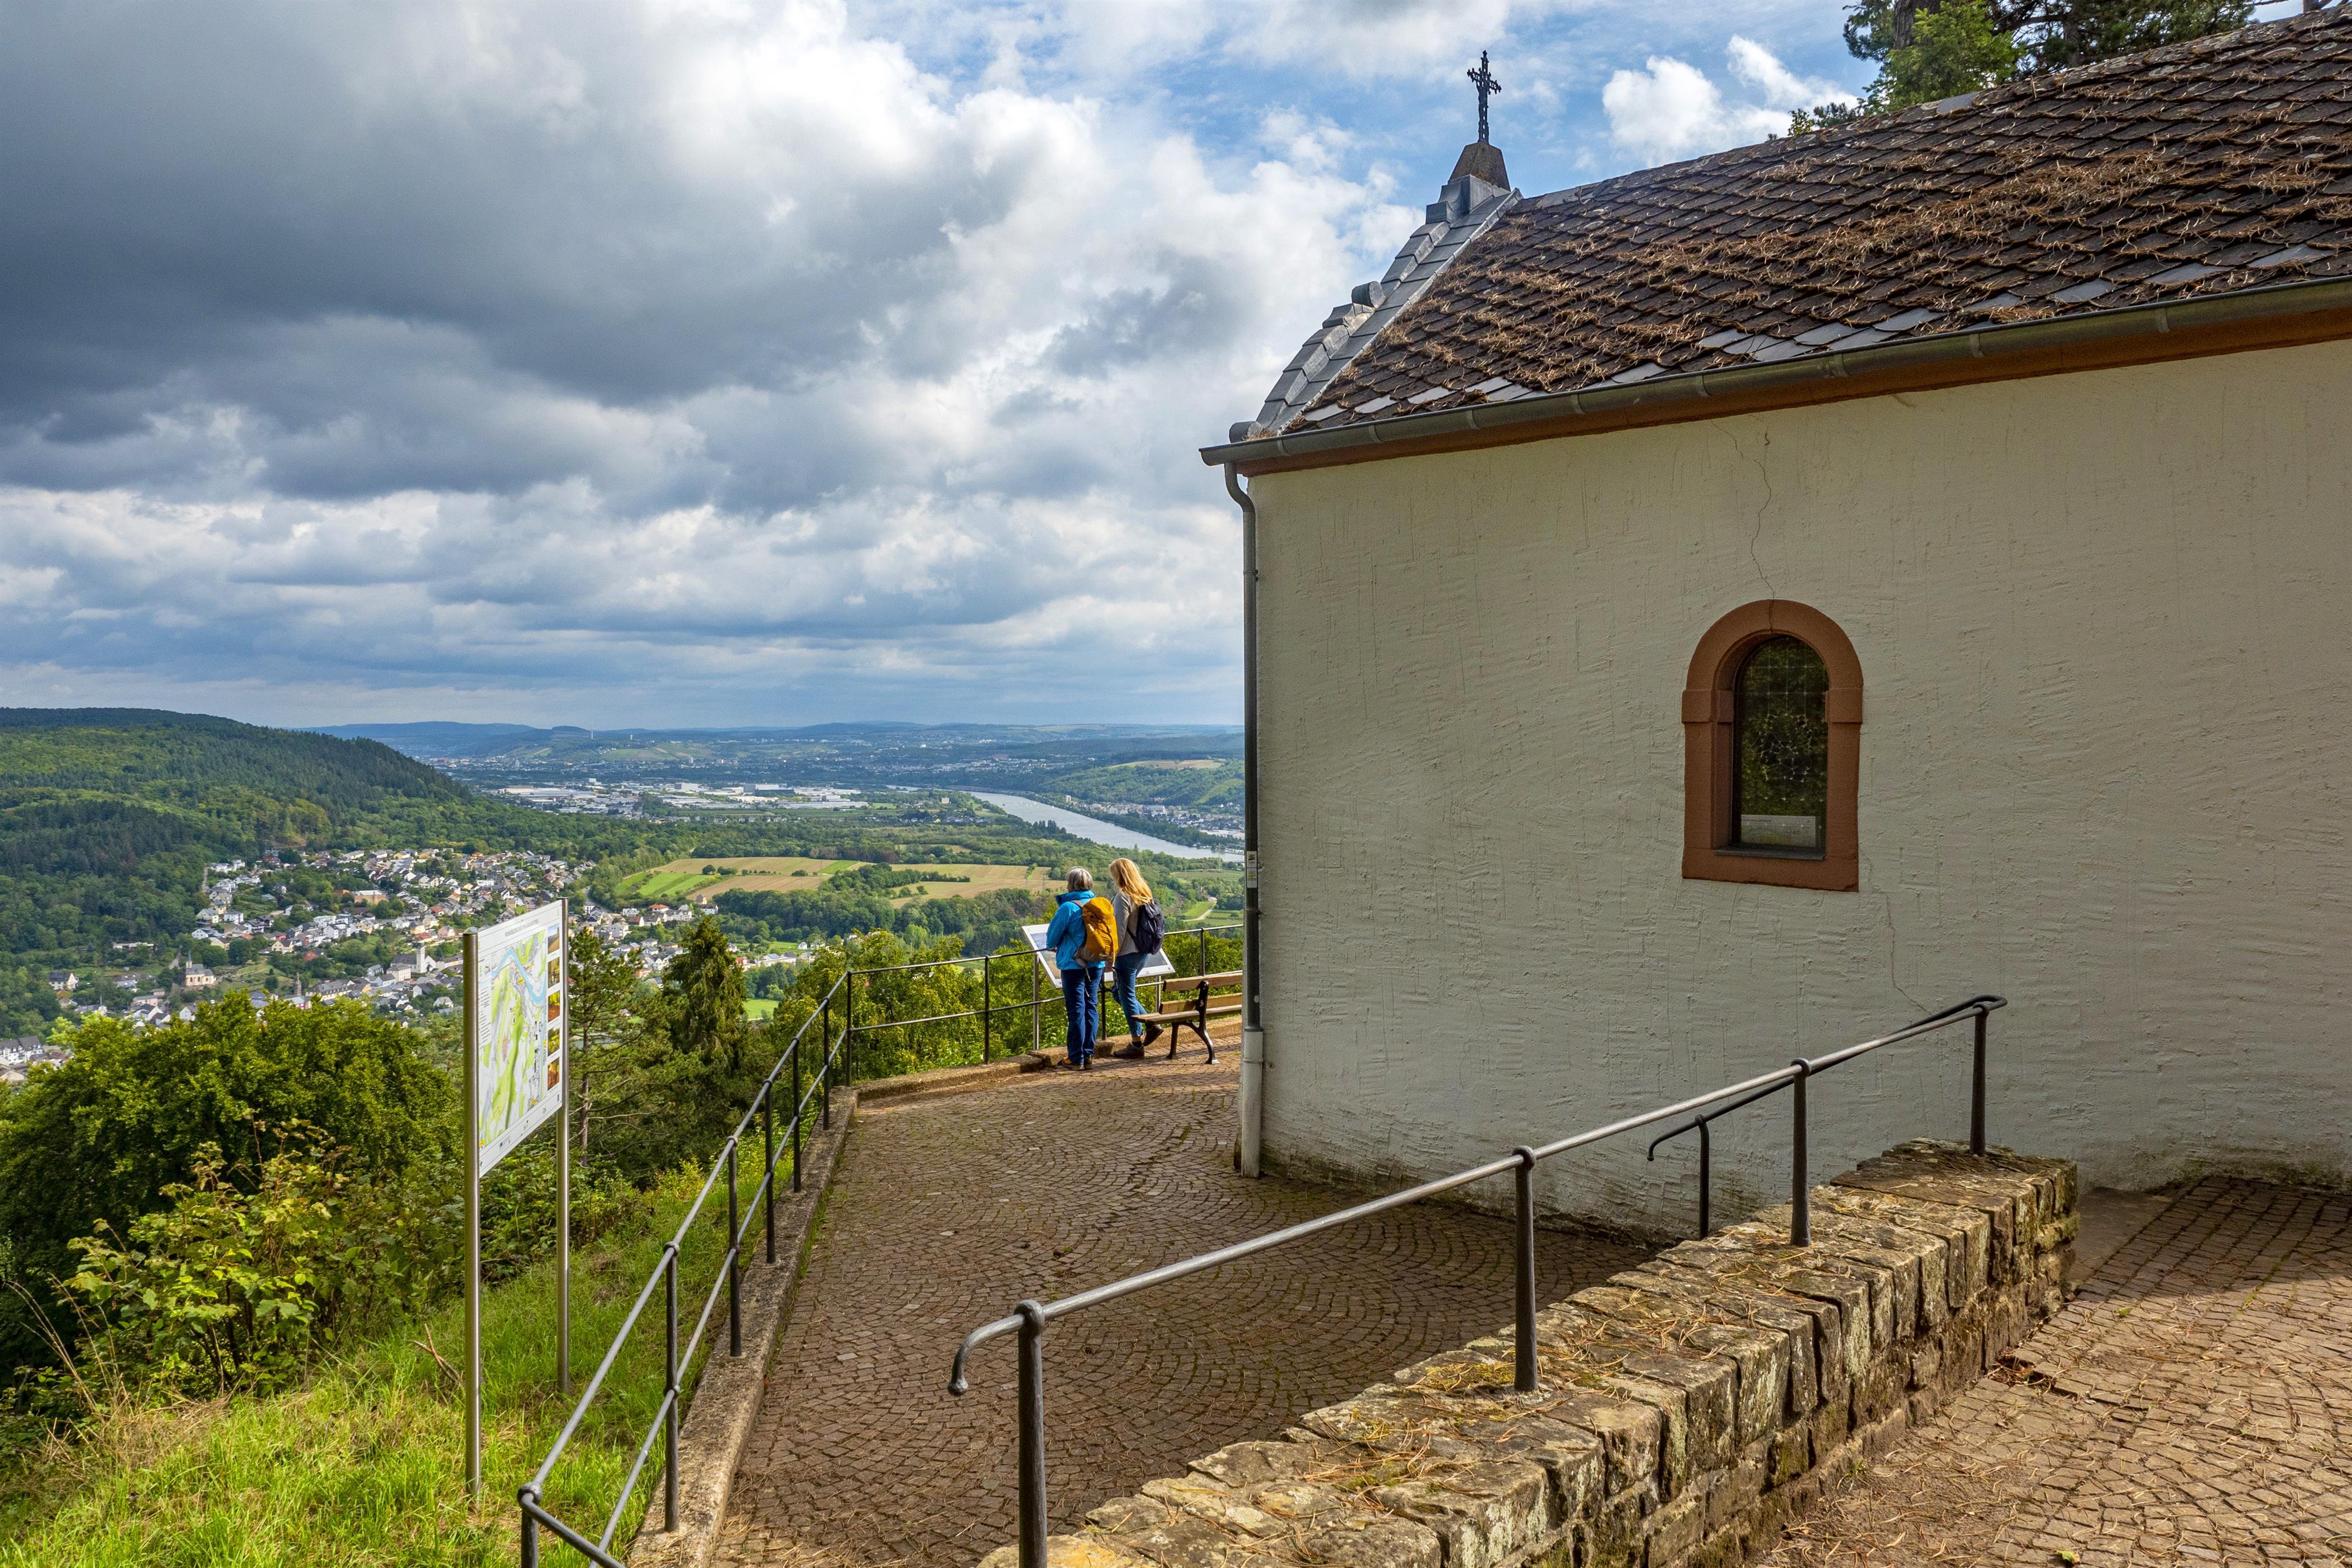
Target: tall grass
364, 1463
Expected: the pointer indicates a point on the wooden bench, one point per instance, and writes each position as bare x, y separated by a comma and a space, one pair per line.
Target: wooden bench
1176, 1016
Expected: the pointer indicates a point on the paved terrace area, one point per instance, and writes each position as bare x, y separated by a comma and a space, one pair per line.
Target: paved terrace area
948, 1210
2191, 1405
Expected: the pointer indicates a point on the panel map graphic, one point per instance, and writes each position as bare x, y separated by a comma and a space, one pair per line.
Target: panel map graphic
518, 1029
1157, 967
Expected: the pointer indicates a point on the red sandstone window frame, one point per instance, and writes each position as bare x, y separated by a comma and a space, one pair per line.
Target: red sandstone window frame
1708, 853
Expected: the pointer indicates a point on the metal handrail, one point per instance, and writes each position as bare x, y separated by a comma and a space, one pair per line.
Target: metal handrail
535, 1514
989, 957
1978, 1006
985, 959
1030, 1317
837, 1058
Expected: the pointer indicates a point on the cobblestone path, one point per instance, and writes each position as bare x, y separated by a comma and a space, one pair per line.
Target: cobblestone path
2192, 1405
947, 1210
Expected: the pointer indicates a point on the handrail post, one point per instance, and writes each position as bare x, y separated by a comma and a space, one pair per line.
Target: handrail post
1525, 1379
734, 1270
796, 1107
768, 1144
1033, 1435
670, 1391
1976, 1091
1800, 1190
1705, 1160
825, 1061
529, 1557
1037, 1006
987, 1007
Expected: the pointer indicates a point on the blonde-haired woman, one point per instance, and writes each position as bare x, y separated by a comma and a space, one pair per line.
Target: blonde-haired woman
1140, 929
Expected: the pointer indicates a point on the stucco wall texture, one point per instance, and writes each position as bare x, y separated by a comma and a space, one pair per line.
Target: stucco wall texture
2106, 628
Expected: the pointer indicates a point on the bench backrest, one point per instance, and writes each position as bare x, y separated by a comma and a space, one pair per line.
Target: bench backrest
1230, 977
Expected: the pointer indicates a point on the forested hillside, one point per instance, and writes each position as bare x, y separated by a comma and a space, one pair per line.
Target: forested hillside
1202, 783
108, 816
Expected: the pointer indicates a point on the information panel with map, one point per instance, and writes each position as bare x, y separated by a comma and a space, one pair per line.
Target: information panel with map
518, 994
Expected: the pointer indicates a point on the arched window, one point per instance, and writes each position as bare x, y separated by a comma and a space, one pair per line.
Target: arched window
1772, 722
1780, 749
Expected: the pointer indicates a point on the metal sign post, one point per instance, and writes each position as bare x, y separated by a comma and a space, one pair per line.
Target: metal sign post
562, 1064
473, 1228
517, 1077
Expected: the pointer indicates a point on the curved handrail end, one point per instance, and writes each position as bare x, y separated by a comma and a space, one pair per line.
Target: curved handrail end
973, 1341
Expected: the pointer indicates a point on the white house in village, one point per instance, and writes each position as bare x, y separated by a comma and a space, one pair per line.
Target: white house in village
1717, 614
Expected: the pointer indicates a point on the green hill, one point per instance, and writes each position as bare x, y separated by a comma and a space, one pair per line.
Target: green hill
108, 816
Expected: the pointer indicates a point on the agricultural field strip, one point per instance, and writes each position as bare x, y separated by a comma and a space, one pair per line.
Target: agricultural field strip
684, 879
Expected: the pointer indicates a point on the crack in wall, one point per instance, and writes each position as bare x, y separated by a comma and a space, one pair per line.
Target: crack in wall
1757, 534
1894, 937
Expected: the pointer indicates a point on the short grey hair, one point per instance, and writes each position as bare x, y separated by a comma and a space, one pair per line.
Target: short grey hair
1081, 879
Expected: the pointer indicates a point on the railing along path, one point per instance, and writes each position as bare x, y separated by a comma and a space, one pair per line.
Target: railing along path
836, 1061
1029, 1318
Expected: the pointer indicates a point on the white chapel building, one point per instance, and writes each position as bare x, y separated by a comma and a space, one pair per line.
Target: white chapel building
1717, 615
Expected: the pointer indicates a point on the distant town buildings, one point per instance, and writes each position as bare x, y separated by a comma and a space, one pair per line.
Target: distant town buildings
19, 1056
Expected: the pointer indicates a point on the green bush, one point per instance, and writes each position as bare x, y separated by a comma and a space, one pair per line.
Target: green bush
246, 1275
99, 1141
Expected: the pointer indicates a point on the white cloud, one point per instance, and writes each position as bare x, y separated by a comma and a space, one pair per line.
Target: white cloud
674, 361
1779, 87
1671, 110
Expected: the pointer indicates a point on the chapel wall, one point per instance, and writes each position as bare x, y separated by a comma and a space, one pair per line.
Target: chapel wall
2101, 623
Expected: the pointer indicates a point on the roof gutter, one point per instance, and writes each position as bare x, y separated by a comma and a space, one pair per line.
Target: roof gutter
2130, 333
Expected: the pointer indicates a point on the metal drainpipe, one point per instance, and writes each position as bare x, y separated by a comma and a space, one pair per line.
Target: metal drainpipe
1251, 1143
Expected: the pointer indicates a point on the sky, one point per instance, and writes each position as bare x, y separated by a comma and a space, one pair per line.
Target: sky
723, 363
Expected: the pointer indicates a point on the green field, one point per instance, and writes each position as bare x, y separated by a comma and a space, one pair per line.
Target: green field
666, 885
683, 880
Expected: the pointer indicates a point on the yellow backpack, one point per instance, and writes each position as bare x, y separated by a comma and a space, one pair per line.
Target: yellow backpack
1101, 945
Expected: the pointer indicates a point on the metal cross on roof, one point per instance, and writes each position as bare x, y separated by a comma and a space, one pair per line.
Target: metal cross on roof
1484, 81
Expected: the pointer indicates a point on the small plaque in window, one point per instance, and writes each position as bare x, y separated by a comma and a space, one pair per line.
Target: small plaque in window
1781, 832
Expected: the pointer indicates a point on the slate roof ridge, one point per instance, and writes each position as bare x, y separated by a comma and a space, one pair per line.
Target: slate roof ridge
2040, 86
2213, 166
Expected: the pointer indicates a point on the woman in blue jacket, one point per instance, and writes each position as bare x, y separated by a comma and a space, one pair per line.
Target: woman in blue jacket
1081, 981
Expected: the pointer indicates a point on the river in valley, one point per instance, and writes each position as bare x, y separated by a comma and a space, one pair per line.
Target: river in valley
1095, 829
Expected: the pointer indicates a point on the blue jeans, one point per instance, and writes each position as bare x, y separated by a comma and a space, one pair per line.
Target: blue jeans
1123, 988
1082, 1001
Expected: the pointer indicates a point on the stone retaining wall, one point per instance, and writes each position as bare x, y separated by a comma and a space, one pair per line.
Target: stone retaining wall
1690, 1407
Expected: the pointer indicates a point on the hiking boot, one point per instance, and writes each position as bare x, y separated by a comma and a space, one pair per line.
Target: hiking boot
1131, 1052
1087, 1064
1151, 1032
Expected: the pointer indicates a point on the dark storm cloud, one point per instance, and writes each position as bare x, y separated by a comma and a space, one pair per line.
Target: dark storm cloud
172, 208
610, 349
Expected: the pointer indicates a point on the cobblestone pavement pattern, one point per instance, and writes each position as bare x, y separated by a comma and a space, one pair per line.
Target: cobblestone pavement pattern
2193, 1403
947, 1210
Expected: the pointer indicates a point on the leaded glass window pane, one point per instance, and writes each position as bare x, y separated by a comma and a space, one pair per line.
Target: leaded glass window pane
1780, 749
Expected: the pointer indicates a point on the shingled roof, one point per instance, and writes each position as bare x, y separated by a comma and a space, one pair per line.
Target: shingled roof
2200, 169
